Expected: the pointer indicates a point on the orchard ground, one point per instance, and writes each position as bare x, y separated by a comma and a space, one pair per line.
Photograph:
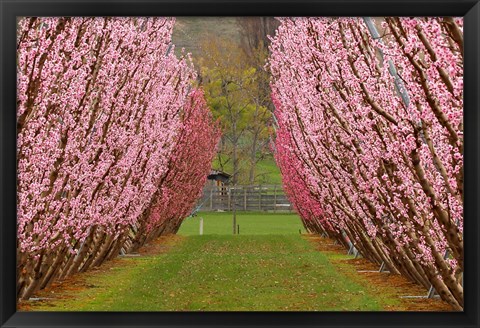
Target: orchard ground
270, 266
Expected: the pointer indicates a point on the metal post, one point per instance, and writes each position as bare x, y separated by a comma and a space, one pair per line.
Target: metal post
431, 292
201, 226
275, 198
245, 198
234, 213
229, 204
350, 251
399, 87
211, 199
382, 267
260, 197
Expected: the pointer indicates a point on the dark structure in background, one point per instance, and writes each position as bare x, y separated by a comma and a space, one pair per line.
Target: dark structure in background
220, 195
219, 178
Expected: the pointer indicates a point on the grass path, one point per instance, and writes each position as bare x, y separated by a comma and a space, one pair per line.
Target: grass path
254, 271
215, 273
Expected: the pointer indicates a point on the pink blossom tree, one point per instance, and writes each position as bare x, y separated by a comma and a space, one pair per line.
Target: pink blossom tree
100, 112
187, 171
385, 170
295, 178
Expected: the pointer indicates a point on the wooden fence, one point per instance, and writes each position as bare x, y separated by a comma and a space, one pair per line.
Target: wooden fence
245, 198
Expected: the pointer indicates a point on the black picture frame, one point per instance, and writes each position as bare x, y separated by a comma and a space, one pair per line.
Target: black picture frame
9, 10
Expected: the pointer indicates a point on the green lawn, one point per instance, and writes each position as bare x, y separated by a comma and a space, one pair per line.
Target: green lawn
224, 273
267, 171
250, 223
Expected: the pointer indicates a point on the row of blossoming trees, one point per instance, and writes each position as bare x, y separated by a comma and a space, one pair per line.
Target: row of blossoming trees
113, 144
370, 139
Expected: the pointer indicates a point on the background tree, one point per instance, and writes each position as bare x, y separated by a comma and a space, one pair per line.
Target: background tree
231, 89
237, 88
255, 33
226, 80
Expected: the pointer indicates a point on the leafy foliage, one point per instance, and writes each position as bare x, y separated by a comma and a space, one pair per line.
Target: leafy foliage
233, 88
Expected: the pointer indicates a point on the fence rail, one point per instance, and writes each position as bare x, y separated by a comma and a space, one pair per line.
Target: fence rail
245, 198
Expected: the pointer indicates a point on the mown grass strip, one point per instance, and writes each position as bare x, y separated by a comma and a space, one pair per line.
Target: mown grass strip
224, 273
251, 223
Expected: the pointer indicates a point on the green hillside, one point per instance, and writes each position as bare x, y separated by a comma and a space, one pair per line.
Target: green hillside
189, 30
